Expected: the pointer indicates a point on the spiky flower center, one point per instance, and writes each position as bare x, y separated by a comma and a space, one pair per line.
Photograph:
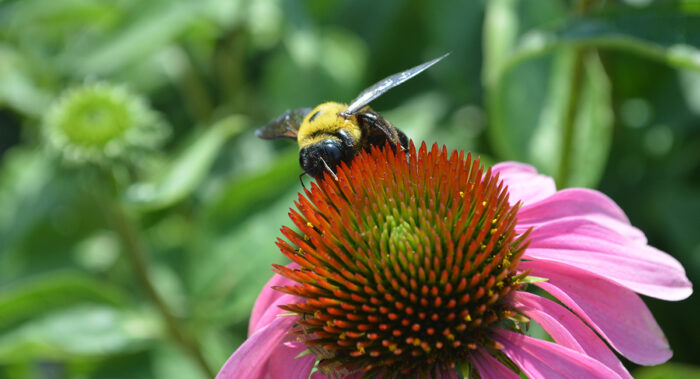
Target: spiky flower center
404, 262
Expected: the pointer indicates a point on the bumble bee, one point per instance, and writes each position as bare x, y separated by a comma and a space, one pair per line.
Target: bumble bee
332, 132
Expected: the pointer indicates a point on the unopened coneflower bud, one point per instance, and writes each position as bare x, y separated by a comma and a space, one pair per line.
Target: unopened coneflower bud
100, 122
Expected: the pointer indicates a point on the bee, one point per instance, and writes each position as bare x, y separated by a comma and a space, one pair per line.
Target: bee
333, 133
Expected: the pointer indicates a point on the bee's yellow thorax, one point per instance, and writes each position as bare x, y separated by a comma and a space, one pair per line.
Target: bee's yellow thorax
323, 121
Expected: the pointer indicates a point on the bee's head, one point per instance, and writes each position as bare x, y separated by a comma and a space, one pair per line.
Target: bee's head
324, 155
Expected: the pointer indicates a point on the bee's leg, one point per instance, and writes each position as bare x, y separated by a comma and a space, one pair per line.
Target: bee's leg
379, 130
302, 181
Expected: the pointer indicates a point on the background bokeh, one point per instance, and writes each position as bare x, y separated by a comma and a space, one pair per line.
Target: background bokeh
601, 94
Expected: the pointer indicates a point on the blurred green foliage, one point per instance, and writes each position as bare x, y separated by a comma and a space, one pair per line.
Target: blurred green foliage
602, 94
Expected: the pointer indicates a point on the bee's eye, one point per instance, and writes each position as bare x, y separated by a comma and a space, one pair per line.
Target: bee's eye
332, 150
322, 156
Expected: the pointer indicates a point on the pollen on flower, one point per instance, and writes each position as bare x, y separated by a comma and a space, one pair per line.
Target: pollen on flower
402, 270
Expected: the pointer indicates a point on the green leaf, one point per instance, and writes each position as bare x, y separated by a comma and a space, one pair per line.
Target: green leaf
500, 36
247, 193
589, 144
171, 362
657, 32
216, 346
160, 25
79, 333
565, 131
420, 117
572, 137
188, 170
44, 214
514, 108
41, 294
316, 64
24, 177
238, 263
19, 90
668, 370
514, 103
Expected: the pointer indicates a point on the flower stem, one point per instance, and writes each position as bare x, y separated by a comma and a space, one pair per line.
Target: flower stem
580, 9
136, 254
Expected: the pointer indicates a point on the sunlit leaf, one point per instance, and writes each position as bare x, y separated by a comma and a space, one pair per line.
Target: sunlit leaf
656, 32
188, 169
79, 332
23, 175
42, 294
160, 25
419, 117
18, 89
500, 36
249, 192
592, 128
171, 362
232, 265
571, 139
513, 105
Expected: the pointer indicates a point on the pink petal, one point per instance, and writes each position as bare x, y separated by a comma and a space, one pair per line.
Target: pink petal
616, 313
490, 368
567, 329
251, 358
602, 252
524, 183
273, 311
283, 362
579, 203
266, 297
542, 359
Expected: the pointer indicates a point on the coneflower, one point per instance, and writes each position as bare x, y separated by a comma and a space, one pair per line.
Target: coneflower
420, 267
100, 122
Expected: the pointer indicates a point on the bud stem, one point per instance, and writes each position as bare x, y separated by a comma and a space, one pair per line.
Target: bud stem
133, 244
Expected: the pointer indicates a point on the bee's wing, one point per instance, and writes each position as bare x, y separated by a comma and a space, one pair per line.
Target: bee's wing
386, 84
285, 126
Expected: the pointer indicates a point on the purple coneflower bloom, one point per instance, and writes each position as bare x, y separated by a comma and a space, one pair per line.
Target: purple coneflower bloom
424, 267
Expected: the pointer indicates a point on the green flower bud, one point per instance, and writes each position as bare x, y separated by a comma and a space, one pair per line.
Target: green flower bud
100, 123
